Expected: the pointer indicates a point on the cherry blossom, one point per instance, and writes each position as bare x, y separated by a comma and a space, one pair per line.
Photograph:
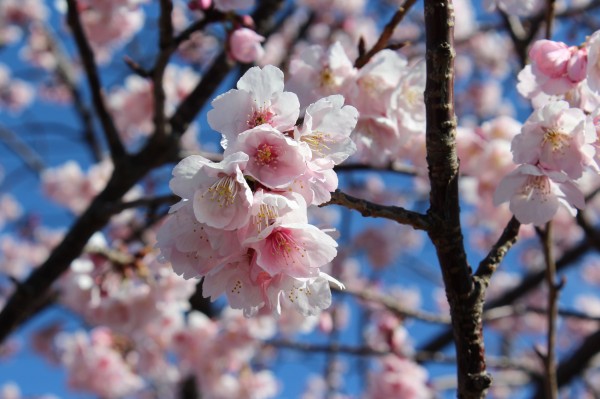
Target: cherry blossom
15, 94
274, 159
316, 72
535, 194
220, 195
593, 64
244, 45
326, 129
399, 378
259, 99
558, 138
93, 365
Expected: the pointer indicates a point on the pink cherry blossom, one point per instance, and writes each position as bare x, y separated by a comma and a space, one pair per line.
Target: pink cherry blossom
408, 102
234, 280
550, 58
292, 247
193, 248
15, 94
327, 127
318, 72
535, 194
69, 186
398, 378
93, 365
110, 24
275, 160
219, 192
259, 99
558, 138
317, 183
593, 64
244, 45
375, 83
309, 296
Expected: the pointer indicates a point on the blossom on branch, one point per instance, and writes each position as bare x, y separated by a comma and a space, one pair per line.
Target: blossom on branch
242, 223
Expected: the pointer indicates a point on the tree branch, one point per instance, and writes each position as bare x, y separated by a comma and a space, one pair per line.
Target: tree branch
530, 282
21, 149
369, 209
165, 39
572, 366
117, 149
488, 265
465, 293
66, 74
549, 358
393, 306
385, 36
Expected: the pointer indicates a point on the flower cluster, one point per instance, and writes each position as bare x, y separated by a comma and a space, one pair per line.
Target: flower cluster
242, 222
387, 91
558, 142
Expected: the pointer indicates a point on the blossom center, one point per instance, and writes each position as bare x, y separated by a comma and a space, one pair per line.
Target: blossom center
266, 154
536, 185
259, 117
557, 139
326, 78
223, 191
317, 142
267, 214
285, 246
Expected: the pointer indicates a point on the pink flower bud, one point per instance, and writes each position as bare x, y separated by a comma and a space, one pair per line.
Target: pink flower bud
550, 57
244, 45
577, 66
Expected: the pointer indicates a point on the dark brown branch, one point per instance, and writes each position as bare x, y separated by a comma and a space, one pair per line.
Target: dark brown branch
66, 74
488, 265
550, 12
189, 108
408, 170
385, 36
465, 293
151, 202
369, 209
117, 149
165, 39
211, 16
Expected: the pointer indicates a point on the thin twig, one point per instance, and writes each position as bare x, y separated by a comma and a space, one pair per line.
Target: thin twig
369, 209
528, 284
117, 149
549, 358
420, 356
550, 11
489, 264
393, 306
21, 149
66, 74
385, 36
165, 39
